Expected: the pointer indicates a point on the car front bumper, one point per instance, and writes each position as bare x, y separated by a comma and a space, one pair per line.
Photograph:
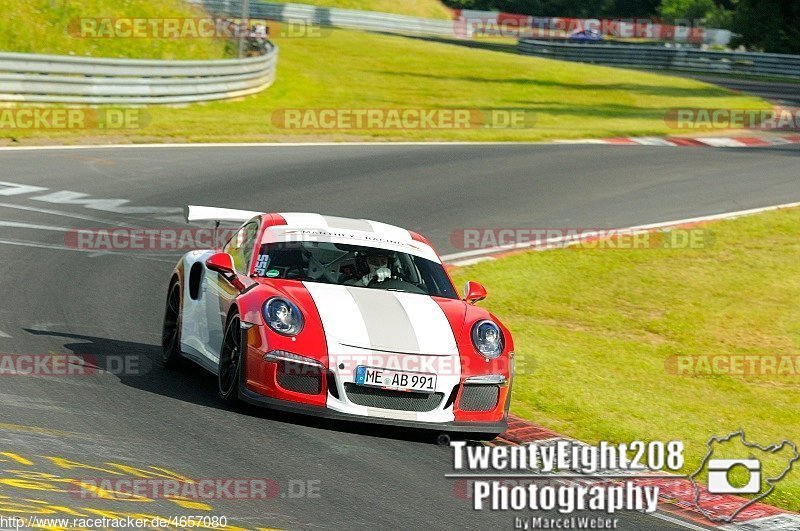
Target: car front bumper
254, 398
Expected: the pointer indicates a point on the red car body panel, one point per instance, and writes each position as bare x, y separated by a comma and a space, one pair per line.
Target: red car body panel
260, 379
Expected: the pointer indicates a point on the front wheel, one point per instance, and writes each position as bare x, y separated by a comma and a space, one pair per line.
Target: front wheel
230, 361
171, 332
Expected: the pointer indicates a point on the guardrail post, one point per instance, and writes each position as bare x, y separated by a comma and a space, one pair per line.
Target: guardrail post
245, 22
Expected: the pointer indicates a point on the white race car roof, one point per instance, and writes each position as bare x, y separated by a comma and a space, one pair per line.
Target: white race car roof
302, 226
316, 227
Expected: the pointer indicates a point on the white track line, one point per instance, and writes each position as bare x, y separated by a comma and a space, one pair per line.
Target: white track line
265, 144
469, 257
21, 225
581, 141
785, 521
677, 521
652, 141
642, 141
645, 141
65, 214
719, 141
89, 252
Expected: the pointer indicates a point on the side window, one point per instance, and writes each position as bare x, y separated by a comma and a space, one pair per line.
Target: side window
249, 243
241, 246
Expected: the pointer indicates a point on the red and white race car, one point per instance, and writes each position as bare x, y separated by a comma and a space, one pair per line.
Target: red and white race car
344, 318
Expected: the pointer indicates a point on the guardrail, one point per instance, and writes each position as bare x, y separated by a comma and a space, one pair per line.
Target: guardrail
333, 17
95, 80
663, 58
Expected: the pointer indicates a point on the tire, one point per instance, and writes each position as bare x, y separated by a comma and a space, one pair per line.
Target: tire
171, 357
484, 436
230, 361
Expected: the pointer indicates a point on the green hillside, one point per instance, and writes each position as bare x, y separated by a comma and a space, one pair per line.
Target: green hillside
43, 26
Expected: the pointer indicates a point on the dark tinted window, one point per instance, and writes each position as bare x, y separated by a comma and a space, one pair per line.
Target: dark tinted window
353, 265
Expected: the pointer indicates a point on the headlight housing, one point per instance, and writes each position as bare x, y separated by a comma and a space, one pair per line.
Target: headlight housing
488, 339
283, 316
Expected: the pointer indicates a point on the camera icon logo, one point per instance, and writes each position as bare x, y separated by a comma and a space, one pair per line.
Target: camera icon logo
719, 481
736, 483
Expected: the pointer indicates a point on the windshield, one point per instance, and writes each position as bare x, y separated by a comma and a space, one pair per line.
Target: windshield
354, 265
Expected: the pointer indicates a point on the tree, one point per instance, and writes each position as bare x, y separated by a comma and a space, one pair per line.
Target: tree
768, 25
564, 8
686, 9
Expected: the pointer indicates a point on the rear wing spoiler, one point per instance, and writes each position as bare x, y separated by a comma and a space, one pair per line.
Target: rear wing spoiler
203, 213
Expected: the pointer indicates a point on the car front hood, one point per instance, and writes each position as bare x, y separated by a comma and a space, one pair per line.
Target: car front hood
364, 319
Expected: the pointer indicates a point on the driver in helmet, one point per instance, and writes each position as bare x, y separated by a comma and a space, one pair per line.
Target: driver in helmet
378, 268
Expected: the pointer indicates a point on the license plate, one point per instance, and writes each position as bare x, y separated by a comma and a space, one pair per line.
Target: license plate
398, 380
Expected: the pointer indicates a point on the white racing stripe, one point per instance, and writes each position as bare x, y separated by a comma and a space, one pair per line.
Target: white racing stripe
380, 328
305, 220
388, 325
382, 320
340, 316
390, 231
335, 222
346, 225
432, 329
323, 234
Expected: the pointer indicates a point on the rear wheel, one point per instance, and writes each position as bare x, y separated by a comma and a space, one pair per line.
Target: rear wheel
171, 333
230, 361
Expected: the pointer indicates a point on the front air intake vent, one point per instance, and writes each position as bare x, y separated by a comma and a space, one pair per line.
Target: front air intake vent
479, 397
299, 378
397, 400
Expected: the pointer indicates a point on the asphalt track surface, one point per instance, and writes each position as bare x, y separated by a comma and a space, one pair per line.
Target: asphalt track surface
57, 299
777, 92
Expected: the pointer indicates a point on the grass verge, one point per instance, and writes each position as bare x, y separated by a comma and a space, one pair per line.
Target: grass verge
352, 69
599, 326
414, 8
52, 27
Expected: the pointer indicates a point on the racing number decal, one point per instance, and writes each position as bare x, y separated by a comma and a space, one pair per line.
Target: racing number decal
262, 264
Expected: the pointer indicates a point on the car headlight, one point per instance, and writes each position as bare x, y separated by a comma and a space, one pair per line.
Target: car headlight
488, 339
283, 316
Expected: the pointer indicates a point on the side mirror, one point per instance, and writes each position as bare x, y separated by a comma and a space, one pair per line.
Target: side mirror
221, 263
474, 292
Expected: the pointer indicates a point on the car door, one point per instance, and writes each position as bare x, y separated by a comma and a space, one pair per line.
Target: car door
220, 295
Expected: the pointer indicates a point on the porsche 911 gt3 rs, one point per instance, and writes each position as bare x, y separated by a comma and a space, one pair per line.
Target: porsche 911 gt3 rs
338, 317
